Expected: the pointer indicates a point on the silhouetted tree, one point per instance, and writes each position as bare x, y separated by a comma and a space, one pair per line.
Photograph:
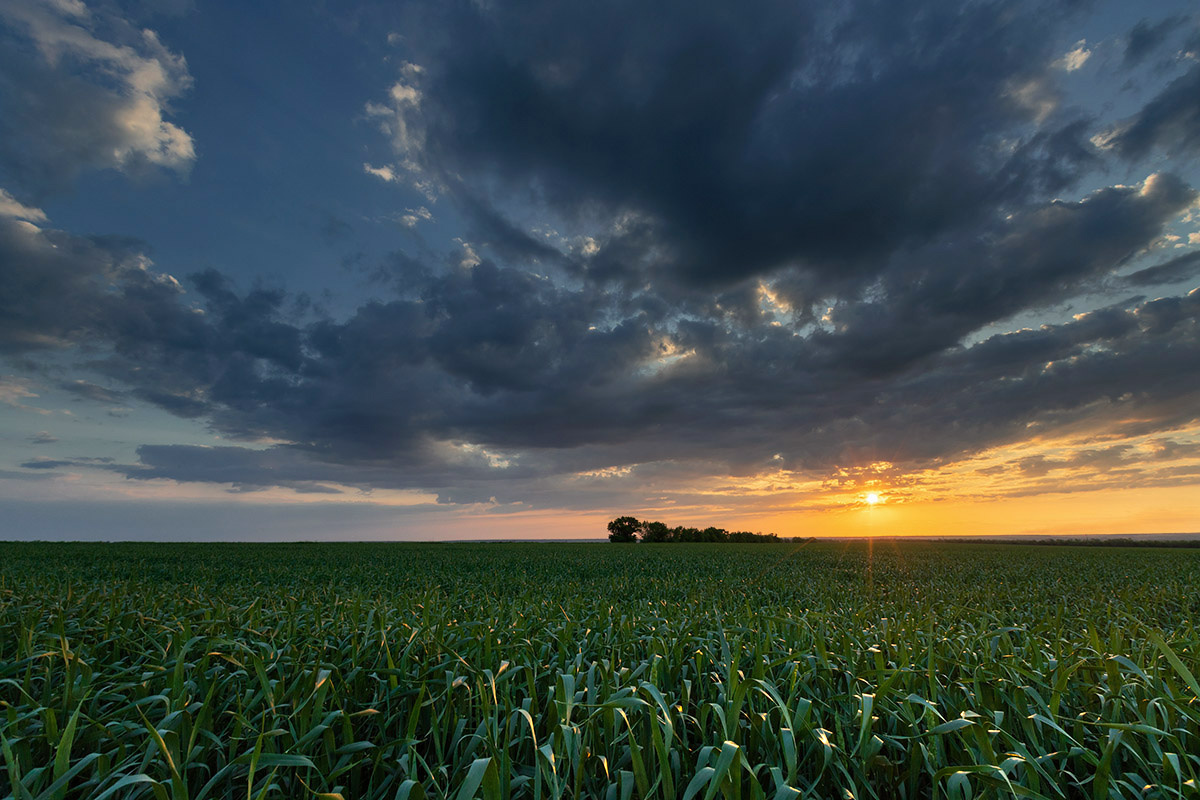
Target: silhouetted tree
623, 529
654, 532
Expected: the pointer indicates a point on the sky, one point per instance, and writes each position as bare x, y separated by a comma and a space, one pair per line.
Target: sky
489, 269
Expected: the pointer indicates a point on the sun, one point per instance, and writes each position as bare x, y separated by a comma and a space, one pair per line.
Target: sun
873, 498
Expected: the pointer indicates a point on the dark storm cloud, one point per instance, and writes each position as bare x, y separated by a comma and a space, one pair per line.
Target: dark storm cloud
709, 146
1180, 268
1169, 123
934, 297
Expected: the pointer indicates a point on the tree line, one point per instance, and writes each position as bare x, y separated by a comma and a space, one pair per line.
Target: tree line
631, 529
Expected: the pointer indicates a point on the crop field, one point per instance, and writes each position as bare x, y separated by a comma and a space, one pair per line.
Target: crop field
832, 670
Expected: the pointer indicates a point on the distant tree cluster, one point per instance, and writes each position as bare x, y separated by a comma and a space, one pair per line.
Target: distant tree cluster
631, 529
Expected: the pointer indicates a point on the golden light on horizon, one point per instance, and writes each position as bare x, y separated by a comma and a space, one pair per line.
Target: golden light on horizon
873, 498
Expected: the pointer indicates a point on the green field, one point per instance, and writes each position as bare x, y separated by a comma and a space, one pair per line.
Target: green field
594, 670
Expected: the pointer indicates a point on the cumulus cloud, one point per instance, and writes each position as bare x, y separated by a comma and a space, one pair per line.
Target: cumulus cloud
10, 207
396, 117
384, 173
82, 89
399, 118
1074, 59
413, 216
